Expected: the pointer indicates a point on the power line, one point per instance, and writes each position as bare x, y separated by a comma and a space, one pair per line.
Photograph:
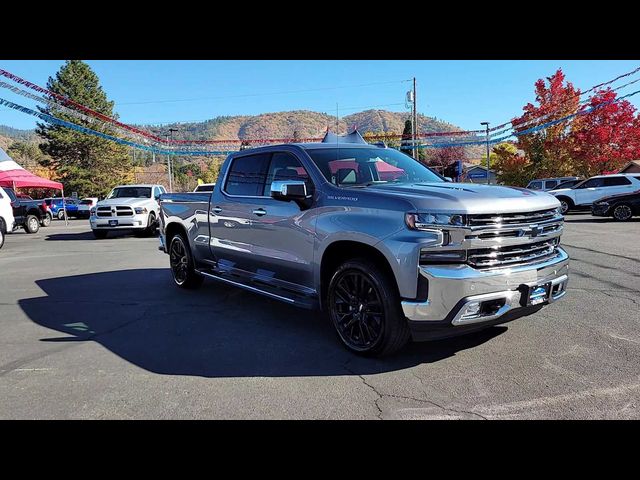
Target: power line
261, 94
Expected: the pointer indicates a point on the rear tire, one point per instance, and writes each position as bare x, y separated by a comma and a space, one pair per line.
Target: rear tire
622, 212
182, 265
31, 224
100, 234
60, 215
364, 307
46, 221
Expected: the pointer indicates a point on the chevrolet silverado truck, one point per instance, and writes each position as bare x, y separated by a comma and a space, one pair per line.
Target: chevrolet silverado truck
387, 247
127, 207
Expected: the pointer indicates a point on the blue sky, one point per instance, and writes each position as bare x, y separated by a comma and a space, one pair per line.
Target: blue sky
461, 92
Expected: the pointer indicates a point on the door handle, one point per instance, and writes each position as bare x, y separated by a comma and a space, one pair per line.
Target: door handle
216, 209
260, 212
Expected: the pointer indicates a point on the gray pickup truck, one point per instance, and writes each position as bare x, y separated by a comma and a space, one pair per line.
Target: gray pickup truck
387, 247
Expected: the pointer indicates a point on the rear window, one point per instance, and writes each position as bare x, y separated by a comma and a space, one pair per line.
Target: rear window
616, 181
535, 185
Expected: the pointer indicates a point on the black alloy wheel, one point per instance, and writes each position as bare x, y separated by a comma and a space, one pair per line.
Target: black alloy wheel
622, 212
181, 263
358, 310
364, 307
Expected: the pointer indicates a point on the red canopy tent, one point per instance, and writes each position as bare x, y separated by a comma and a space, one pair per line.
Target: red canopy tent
14, 176
24, 178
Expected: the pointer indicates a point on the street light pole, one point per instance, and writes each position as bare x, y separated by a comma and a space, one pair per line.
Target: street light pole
486, 124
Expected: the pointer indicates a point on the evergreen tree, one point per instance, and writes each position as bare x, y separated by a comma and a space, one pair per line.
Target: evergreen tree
85, 163
406, 135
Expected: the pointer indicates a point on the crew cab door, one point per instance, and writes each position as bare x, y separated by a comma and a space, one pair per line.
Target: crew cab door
256, 235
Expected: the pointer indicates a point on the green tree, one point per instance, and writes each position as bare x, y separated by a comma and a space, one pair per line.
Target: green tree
406, 134
85, 163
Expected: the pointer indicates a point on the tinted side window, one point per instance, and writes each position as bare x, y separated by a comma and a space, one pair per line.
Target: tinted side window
535, 185
616, 181
11, 194
285, 166
551, 184
593, 183
248, 175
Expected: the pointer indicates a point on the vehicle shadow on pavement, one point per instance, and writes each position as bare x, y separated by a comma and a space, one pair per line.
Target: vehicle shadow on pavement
216, 331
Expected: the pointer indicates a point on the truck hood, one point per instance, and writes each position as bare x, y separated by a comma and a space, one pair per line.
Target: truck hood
468, 197
124, 201
561, 191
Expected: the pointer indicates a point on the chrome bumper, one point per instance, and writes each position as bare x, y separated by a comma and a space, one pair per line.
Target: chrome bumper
453, 288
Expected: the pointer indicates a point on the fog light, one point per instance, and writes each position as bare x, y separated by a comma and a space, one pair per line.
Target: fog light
472, 309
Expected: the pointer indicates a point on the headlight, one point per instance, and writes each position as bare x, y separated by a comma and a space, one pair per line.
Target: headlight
140, 210
426, 221
92, 211
603, 204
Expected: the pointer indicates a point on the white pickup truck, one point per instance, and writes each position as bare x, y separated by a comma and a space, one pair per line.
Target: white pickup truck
127, 207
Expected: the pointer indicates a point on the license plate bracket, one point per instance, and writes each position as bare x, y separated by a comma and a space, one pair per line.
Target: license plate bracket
535, 294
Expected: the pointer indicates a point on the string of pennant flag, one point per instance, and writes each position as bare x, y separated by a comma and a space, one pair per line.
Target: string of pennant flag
145, 140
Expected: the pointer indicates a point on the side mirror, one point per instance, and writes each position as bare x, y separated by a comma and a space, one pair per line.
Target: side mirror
448, 179
288, 190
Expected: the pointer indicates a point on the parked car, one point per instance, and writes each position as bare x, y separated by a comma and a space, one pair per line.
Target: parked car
546, 184
55, 205
388, 248
6, 215
582, 195
85, 205
568, 184
622, 207
127, 207
27, 214
205, 187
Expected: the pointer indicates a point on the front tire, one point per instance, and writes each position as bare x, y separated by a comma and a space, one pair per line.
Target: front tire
364, 307
2, 232
100, 234
182, 265
565, 205
151, 225
622, 213
31, 224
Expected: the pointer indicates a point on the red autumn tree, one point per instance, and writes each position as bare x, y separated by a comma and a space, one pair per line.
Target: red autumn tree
607, 137
442, 157
550, 149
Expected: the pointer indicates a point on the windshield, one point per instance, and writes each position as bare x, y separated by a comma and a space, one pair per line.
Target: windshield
347, 167
130, 192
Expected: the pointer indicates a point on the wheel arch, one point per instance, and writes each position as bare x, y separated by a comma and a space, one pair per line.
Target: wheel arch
339, 251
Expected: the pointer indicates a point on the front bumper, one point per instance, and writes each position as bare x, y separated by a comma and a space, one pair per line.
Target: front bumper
124, 223
453, 289
600, 210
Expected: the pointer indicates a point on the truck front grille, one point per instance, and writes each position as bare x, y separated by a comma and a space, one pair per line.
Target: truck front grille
124, 211
492, 220
512, 256
103, 212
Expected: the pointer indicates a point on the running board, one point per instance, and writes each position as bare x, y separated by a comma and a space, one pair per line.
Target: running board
288, 297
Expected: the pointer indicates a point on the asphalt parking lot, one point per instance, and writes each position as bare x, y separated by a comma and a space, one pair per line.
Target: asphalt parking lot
95, 329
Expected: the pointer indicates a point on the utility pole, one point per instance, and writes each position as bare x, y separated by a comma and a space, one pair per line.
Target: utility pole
415, 122
486, 124
170, 135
